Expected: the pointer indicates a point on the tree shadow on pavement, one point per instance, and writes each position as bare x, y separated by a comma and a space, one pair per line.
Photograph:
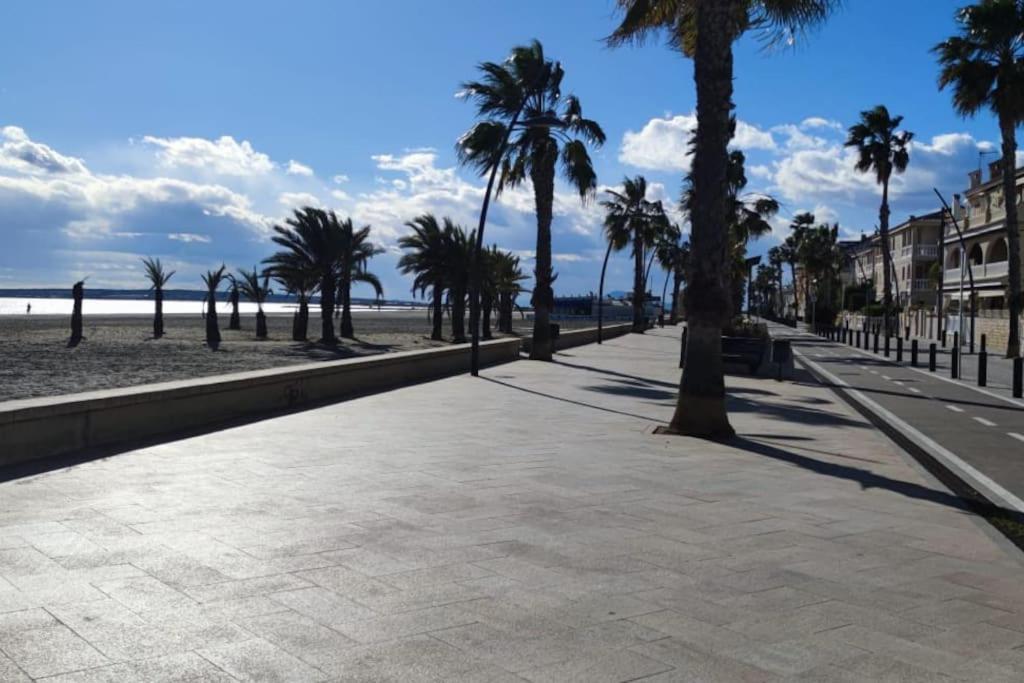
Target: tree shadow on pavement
866, 478
613, 373
572, 401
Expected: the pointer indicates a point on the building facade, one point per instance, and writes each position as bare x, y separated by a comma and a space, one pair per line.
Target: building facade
982, 256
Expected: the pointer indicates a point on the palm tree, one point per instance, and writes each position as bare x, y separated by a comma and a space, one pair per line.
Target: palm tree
356, 251
425, 257
881, 149
489, 288
631, 218
460, 260
294, 275
235, 322
776, 258
790, 248
508, 278
667, 252
984, 66
212, 280
314, 238
528, 126
157, 281
706, 30
257, 292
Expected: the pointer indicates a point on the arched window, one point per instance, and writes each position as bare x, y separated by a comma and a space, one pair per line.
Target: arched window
998, 252
975, 256
953, 260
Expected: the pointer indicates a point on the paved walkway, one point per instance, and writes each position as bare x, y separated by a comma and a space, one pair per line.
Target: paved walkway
525, 526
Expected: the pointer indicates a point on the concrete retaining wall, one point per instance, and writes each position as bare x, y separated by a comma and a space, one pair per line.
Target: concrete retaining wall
37, 428
570, 338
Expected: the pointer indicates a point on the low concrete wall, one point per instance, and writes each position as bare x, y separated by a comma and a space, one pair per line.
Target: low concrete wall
570, 338
36, 428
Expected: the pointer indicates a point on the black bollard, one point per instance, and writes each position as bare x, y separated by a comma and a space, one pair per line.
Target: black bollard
954, 357
983, 340
887, 345
970, 344
906, 332
682, 347
982, 368
1018, 377
931, 357
876, 341
913, 353
899, 349
858, 340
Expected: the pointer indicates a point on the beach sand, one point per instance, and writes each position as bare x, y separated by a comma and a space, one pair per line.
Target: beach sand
119, 351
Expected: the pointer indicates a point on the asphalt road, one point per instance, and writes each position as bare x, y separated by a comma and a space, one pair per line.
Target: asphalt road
984, 428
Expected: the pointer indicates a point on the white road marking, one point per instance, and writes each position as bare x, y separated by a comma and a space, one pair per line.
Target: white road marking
944, 455
987, 423
897, 382
874, 372
915, 390
887, 378
1015, 435
955, 409
863, 367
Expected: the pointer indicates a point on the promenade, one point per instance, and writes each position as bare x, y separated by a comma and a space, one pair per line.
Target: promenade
525, 525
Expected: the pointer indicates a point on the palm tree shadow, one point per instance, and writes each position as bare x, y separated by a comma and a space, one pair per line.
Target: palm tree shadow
613, 373
571, 401
866, 478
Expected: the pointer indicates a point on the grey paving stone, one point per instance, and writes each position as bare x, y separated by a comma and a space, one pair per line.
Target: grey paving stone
49, 650
259, 660
170, 669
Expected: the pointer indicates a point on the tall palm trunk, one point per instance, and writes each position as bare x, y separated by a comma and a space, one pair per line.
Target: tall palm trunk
543, 176
235, 322
458, 302
486, 304
600, 294
77, 293
327, 305
638, 284
701, 407
883, 233
1008, 129
796, 291
158, 315
437, 321
212, 327
347, 331
677, 278
261, 323
300, 323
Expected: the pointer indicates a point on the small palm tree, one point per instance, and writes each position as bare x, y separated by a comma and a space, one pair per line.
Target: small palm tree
235, 321
984, 66
706, 31
631, 218
256, 291
460, 259
790, 248
528, 127
356, 251
508, 282
776, 259
882, 148
425, 257
212, 280
158, 278
667, 252
295, 276
315, 239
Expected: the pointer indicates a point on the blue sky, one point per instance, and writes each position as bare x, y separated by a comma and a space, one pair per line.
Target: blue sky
184, 130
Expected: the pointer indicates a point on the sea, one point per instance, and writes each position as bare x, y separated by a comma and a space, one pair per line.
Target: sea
140, 302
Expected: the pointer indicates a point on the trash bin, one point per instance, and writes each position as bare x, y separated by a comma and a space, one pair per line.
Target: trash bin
555, 330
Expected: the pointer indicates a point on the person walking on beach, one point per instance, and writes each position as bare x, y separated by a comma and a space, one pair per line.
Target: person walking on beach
28, 308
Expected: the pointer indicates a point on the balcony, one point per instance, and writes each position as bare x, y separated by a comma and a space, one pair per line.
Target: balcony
920, 284
980, 272
920, 251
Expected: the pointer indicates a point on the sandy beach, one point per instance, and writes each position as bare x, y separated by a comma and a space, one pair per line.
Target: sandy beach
119, 351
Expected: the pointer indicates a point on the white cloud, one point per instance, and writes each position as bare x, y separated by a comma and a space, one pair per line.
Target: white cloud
664, 143
819, 122
189, 237
295, 168
298, 200
223, 156
340, 179
796, 138
19, 154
